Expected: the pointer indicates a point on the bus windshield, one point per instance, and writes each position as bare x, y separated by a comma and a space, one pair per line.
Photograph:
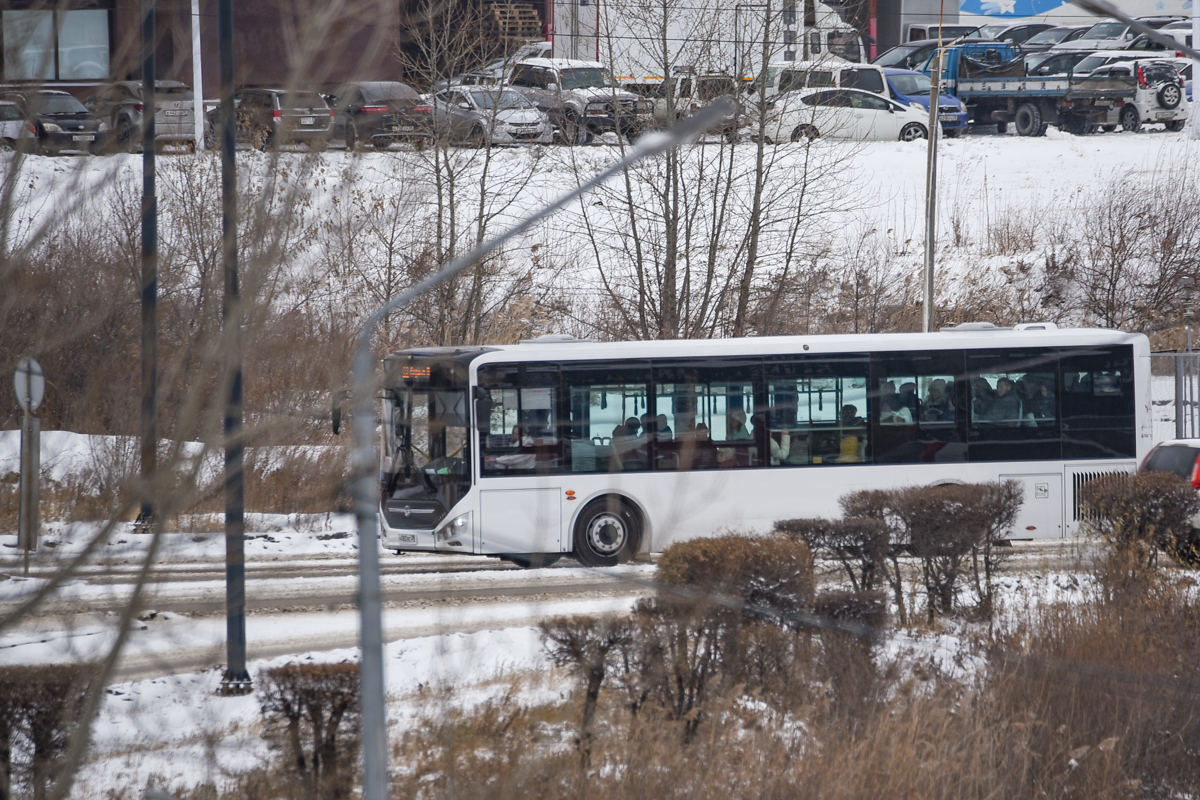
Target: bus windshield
426, 443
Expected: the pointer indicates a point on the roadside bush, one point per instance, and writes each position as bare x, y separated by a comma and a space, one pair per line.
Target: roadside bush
860, 544
1136, 515
313, 711
878, 506
847, 651
39, 713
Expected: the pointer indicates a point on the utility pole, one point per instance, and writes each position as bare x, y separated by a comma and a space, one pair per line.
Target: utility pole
931, 184
198, 77
236, 679
149, 442
1195, 66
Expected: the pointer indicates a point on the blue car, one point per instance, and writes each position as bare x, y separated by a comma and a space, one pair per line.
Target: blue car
909, 86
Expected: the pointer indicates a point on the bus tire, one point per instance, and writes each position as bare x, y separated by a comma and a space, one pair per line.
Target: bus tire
607, 533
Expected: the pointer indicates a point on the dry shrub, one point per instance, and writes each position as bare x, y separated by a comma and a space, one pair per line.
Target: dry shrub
313, 711
297, 480
860, 544
877, 506
1110, 684
1136, 515
40, 708
775, 574
847, 648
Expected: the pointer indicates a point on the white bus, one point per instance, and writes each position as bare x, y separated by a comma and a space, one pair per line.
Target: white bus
604, 450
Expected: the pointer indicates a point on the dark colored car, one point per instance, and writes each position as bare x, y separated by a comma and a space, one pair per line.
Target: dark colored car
60, 121
267, 118
1052, 36
379, 112
913, 55
1015, 34
1058, 62
121, 105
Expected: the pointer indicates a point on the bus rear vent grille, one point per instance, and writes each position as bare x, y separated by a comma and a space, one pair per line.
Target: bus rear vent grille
1080, 478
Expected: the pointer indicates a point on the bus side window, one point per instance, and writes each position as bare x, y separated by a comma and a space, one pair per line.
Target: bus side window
607, 407
705, 418
522, 432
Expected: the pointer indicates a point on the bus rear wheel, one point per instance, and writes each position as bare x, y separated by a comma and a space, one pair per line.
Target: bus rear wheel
607, 533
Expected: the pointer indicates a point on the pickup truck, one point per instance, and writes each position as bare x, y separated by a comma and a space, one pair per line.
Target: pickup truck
581, 98
990, 79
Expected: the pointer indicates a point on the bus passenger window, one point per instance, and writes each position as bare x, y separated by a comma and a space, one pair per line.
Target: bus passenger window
704, 418
815, 419
605, 429
522, 432
1013, 400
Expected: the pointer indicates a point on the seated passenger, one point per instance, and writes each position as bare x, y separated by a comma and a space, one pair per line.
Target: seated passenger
937, 406
696, 449
665, 434
1006, 405
892, 411
908, 398
851, 443
1041, 402
525, 459
736, 425
982, 397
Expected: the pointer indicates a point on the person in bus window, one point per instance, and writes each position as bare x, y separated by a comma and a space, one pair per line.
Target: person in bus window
779, 442
697, 450
892, 411
936, 407
737, 425
982, 396
1041, 401
523, 455
1006, 405
852, 441
908, 398
665, 434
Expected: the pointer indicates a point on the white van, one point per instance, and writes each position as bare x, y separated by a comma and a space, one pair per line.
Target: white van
824, 73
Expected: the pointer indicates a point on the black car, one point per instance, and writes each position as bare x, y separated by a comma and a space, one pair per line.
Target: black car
380, 112
60, 121
913, 55
1057, 62
1052, 36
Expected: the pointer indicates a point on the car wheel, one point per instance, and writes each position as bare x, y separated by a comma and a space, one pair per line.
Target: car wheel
1170, 96
805, 132
351, 136
607, 533
478, 137
1176, 125
190, 146
7, 146
1001, 127
1130, 119
127, 139
261, 138
1028, 120
913, 131
1108, 128
572, 131
381, 144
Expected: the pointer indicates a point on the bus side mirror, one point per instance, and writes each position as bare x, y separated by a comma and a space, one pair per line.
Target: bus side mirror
335, 411
483, 410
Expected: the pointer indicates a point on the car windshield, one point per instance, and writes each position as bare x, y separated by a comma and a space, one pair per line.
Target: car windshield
903, 56
586, 78
9, 112
1179, 459
303, 100
910, 84
59, 104
499, 100
991, 31
1051, 36
1106, 30
1091, 63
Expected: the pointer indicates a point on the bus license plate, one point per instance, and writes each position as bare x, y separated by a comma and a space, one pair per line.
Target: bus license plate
83, 137
307, 120
407, 538
401, 128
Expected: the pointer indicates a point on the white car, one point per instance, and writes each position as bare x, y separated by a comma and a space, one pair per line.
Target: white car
487, 115
15, 131
1160, 96
843, 114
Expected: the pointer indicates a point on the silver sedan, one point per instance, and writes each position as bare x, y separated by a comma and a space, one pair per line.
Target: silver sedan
483, 116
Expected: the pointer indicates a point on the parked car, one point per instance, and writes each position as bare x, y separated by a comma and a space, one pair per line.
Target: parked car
581, 98
267, 118
483, 116
379, 112
1159, 98
60, 122
478, 78
15, 131
913, 55
1016, 34
1144, 44
1180, 457
121, 105
912, 88
1052, 36
1038, 65
689, 92
1112, 34
843, 114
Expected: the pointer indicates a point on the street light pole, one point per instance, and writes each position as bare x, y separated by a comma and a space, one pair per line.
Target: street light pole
236, 679
149, 299
931, 182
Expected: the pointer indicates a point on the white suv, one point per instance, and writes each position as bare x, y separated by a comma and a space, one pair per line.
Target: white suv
1160, 96
580, 97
